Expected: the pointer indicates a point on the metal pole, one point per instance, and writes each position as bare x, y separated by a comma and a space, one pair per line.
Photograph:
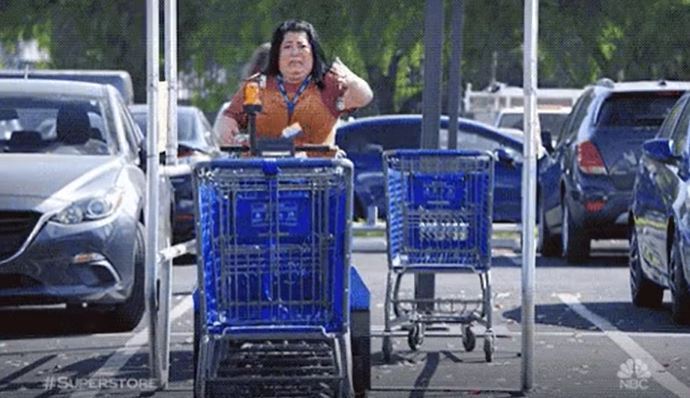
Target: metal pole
159, 328
455, 73
529, 191
431, 111
431, 96
171, 78
152, 177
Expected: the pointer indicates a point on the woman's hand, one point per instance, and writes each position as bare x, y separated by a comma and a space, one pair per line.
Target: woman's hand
357, 92
231, 133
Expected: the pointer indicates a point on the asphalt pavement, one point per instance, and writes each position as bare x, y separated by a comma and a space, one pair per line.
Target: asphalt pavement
590, 341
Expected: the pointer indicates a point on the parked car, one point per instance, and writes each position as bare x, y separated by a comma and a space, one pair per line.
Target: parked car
585, 185
195, 143
119, 79
365, 139
659, 226
551, 118
218, 123
72, 199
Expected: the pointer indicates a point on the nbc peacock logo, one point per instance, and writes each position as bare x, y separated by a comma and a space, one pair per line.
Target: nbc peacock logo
634, 374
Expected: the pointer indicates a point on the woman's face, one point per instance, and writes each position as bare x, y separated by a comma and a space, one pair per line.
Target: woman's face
296, 60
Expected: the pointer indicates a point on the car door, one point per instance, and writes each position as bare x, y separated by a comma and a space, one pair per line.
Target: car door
507, 170
555, 165
364, 142
649, 207
655, 194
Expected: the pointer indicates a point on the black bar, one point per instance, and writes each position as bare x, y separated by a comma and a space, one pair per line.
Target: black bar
455, 72
251, 129
431, 110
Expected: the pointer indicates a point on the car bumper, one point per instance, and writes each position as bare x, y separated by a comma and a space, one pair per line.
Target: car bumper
608, 222
91, 262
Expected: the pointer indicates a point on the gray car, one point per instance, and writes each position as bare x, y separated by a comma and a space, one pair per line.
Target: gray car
71, 199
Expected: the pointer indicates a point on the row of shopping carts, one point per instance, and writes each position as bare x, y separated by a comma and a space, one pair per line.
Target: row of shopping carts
273, 244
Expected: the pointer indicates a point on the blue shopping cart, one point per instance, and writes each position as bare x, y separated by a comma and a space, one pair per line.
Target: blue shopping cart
439, 221
273, 244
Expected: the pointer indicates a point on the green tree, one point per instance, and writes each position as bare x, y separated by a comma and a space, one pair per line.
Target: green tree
580, 41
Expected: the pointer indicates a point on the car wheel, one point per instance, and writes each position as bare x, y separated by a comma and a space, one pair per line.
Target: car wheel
126, 316
680, 293
574, 240
359, 211
645, 293
548, 245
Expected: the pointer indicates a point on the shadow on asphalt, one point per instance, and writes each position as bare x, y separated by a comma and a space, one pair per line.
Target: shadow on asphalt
596, 260
29, 323
136, 369
624, 316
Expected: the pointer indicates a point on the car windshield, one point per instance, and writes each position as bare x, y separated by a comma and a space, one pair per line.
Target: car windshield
189, 128
56, 124
551, 122
636, 109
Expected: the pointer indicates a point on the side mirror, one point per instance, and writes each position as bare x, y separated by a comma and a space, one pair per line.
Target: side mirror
547, 141
504, 157
375, 148
659, 149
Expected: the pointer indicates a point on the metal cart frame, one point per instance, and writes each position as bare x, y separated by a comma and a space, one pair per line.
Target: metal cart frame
273, 244
439, 221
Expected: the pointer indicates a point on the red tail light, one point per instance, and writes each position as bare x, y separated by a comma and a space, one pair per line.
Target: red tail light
589, 160
594, 206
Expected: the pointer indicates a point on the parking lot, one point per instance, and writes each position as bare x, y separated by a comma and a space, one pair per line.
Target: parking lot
589, 340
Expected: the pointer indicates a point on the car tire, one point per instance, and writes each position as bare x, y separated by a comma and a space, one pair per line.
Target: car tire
359, 211
574, 240
126, 316
680, 293
645, 293
548, 245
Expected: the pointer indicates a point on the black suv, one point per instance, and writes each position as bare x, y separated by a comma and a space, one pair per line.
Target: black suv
585, 184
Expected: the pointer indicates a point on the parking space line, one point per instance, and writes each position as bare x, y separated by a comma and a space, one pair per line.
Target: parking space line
501, 330
629, 346
120, 357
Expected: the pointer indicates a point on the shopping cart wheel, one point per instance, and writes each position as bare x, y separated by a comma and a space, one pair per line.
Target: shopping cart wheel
415, 337
387, 349
489, 347
469, 339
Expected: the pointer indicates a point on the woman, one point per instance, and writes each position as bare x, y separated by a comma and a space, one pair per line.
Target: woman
257, 62
299, 89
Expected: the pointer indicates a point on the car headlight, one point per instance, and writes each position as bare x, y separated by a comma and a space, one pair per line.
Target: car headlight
90, 209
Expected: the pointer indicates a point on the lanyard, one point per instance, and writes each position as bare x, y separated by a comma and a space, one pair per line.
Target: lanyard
291, 104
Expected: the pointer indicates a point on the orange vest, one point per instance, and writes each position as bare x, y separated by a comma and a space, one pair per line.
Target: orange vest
316, 118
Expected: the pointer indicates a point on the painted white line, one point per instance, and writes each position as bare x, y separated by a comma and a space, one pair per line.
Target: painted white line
604, 334
502, 330
120, 357
624, 342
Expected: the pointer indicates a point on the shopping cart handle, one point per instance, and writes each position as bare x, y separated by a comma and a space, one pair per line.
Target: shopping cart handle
315, 148
266, 150
235, 148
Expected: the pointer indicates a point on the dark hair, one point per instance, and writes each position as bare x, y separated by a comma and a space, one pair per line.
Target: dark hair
320, 67
257, 62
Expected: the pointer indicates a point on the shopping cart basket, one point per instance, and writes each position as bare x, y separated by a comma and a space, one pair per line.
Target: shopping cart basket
439, 221
274, 255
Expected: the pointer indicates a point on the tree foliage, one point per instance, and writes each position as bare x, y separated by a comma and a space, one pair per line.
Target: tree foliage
382, 40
